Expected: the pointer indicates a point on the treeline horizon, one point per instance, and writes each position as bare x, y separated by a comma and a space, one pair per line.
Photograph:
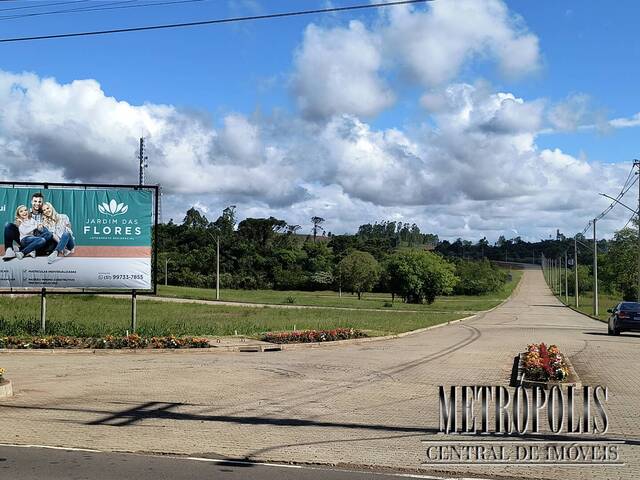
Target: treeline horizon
270, 253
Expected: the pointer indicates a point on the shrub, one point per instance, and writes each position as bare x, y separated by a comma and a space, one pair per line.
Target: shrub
419, 276
477, 278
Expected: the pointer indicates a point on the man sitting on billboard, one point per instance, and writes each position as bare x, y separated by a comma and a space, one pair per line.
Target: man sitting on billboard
12, 233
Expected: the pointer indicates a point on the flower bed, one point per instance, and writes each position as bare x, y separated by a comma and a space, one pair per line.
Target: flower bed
544, 364
310, 336
2, 370
109, 342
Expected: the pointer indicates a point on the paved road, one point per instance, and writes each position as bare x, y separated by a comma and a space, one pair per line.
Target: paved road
369, 404
19, 463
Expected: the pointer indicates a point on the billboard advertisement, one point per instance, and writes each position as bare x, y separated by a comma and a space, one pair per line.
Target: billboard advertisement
97, 238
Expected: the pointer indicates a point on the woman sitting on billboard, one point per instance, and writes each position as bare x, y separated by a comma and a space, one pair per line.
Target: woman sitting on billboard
32, 234
60, 226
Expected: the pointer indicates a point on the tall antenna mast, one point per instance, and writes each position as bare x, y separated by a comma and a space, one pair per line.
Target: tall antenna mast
142, 158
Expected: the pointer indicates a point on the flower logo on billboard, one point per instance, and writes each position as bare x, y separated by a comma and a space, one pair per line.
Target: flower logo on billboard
113, 208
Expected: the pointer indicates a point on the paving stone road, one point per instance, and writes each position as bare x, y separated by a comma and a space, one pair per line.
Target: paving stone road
369, 404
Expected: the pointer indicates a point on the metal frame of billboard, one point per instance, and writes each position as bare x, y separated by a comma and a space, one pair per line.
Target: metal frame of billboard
87, 291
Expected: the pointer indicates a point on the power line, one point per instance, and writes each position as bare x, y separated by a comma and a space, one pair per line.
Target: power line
628, 176
622, 193
71, 10
629, 221
214, 21
41, 5
96, 8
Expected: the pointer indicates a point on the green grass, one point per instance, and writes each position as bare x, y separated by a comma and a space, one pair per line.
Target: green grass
454, 303
92, 316
586, 304
87, 316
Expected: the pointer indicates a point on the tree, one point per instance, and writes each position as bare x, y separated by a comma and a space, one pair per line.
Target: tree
419, 276
317, 226
226, 222
260, 231
477, 278
620, 264
359, 272
194, 219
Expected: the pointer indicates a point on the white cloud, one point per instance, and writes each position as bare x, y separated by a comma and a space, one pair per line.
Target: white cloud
476, 170
571, 113
434, 44
337, 72
349, 70
633, 121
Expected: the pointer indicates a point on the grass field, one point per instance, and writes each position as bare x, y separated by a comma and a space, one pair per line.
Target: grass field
454, 303
86, 316
586, 304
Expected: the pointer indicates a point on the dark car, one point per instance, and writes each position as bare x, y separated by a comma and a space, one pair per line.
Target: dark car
625, 317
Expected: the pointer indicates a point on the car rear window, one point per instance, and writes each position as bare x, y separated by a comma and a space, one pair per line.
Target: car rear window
630, 306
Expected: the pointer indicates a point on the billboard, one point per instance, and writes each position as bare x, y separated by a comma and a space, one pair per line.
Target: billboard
97, 238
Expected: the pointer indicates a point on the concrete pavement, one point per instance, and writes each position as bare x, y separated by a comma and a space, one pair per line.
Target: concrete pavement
368, 404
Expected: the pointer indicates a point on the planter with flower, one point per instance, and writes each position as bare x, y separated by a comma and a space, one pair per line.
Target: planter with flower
543, 365
133, 341
313, 336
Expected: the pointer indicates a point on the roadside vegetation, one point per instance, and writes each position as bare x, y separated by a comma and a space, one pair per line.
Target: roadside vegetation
269, 254
95, 316
617, 275
387, 278
327, 298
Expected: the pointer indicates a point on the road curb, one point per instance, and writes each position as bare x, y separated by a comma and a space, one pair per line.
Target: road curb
586, 314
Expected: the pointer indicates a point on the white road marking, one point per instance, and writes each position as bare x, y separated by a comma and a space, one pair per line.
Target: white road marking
50, 447
241, 462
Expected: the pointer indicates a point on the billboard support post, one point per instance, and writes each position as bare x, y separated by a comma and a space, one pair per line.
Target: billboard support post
134, 311
43, 310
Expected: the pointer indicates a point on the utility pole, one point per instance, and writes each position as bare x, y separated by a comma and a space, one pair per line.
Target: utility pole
166, 270
595, 270
566, 278
142, 158
636, 163
218, 268
575, 265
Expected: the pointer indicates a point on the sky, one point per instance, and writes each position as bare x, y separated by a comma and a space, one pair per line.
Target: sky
471, 118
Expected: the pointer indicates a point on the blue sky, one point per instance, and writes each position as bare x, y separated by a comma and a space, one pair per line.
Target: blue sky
244, 75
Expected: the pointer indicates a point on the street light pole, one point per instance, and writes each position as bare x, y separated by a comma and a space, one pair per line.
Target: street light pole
166, 270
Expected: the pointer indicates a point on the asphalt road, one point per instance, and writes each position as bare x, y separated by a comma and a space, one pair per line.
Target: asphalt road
32, 463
